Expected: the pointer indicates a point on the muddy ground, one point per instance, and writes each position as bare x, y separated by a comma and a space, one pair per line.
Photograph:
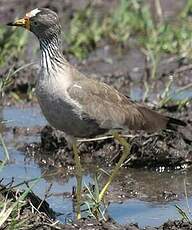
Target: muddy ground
166, 150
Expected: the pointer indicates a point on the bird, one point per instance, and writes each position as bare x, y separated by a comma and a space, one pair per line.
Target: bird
79, 106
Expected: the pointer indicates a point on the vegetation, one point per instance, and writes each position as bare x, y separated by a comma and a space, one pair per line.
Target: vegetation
84, 32
12, 206
10, 210
131, 18
93, 206
12, 42
11, 46
15, 203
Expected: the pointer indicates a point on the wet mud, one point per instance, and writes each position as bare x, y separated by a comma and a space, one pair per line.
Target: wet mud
169, 149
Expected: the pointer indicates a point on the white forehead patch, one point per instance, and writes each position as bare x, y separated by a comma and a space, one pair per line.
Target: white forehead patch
33, 13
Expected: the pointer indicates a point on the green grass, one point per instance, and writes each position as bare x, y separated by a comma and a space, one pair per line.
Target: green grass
84, 32
7, 207
132, 24
92, 205
12, 42
155, 38
132, 18
10, 209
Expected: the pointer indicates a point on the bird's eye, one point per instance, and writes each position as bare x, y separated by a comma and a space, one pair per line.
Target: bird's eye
35, 23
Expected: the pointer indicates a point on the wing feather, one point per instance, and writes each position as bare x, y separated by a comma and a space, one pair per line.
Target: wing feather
111, 109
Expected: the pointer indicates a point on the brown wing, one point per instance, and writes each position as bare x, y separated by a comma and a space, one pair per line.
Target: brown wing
113, 110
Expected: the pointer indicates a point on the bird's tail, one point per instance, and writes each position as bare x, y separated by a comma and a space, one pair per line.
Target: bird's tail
153, 121
172, 123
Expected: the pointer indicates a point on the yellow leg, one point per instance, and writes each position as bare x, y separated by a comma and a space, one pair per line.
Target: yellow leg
78, 169
126, 152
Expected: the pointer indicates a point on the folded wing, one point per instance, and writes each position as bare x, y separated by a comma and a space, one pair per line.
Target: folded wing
112, 110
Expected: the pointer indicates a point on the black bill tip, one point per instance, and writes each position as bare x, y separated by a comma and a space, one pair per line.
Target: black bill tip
10, 24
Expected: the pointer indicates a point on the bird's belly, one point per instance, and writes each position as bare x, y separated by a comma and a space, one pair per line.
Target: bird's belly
64, 115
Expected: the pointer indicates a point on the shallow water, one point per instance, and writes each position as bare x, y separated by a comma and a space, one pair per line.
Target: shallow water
131, 211
144, 211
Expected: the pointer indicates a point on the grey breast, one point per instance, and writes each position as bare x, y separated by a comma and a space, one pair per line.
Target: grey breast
61, 111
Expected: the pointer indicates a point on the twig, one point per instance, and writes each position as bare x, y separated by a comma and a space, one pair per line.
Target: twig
129, 159
105, 138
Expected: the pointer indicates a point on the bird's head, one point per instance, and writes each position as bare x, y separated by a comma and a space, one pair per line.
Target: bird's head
44, 23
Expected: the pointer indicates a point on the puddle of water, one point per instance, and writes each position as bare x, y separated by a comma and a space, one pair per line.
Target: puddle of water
181, 95
23, 117
137, 93
23, 168
145, 213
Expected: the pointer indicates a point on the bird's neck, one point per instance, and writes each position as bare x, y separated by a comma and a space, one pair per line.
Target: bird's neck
51, 54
